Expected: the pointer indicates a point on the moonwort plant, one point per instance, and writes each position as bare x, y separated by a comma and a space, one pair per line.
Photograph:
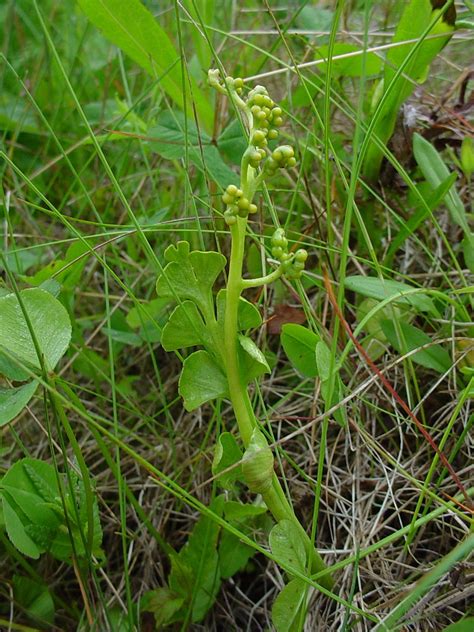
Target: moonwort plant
229, 360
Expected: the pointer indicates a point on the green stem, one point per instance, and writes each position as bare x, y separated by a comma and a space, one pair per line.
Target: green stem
274, 498
264, 280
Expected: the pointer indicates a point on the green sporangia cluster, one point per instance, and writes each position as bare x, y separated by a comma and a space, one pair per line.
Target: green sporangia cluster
264, 118
292, 263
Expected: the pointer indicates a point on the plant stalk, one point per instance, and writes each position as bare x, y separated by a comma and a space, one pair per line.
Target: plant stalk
274, 498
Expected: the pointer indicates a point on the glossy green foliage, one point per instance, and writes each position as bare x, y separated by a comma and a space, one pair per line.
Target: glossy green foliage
44, 514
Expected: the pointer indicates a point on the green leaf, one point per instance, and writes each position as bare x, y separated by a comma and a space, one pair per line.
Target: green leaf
379, 289
232, 142
254, 363
287, 545
405, 338
131, 27
248, 315
195, 569
436, 172
419, 216
288, 606
233, 555
34, 514
49, 321
239, 512
201, 381
466, 625
13, 400
34, 597
299, 344
185, 328
468, 250
226, 455
323, 361
354, 66
416, 17
173, 135
163, 603
190, 275
16, 531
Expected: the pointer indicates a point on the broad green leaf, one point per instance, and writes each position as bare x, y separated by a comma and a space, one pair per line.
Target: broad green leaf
149, 312
386, 288
436, 172
34, 597
288, 606
415, 19
466, 625
13, 400
190, 275
201, 381
66, 271
226, 455
233, 555
410, 338
255, 364
163, 603
239, 512
185, 328
173, 132
354, 66
173, 137
248, 315
195, 569
232, 142
34, 512
287, 545
299, 344
131, 27
323, 361
49, 321
16, 531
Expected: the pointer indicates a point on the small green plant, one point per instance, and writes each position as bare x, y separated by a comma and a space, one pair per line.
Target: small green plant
229, 359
